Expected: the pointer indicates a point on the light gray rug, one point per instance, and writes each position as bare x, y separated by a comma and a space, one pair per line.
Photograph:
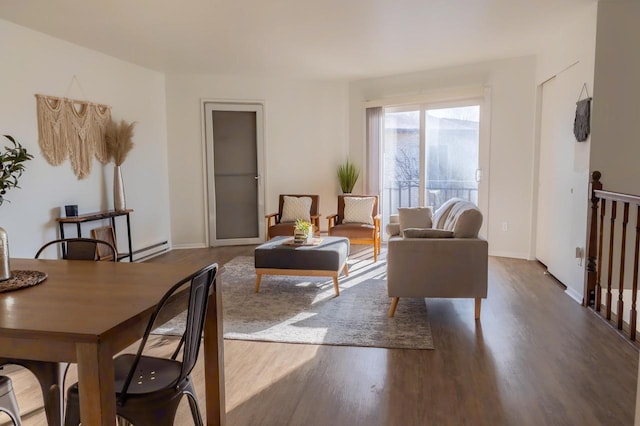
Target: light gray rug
305, 309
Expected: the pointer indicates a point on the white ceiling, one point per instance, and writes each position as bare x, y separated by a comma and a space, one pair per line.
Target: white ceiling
321, 39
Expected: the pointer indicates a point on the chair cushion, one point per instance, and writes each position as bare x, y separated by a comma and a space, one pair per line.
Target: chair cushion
358, 210
295, 208
427, 233
353, 230
414, 217
282, 229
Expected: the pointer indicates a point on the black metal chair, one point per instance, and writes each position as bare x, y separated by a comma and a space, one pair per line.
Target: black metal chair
51, 375
149, 389
8, 402
80, 248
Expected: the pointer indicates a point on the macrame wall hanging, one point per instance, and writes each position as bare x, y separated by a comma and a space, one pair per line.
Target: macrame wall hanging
581, 124
72, 129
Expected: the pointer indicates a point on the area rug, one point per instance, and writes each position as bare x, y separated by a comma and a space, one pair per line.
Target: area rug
306, 310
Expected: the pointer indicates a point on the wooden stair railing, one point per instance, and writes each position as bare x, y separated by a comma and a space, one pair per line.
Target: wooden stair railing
596, 259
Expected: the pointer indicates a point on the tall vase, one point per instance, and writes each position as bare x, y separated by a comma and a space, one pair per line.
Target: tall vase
5, 270
119, 203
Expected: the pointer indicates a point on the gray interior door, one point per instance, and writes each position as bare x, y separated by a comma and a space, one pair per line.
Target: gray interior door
234, 168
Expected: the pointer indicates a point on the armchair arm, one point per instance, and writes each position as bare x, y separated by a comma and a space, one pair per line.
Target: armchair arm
315, 220
332, 220
273, 216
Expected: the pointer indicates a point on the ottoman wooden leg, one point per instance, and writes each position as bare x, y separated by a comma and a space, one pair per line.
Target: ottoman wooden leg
335, 285
394, 305
346, 270
258, 279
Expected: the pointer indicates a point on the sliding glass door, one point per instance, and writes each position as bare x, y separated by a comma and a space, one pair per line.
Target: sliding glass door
430, 154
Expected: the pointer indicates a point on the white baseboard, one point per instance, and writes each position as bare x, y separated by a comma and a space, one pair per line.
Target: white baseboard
188, 246
510, 254
151, 251
574, 295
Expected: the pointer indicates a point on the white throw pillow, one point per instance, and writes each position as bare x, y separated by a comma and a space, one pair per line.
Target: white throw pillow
295, 208
358, 210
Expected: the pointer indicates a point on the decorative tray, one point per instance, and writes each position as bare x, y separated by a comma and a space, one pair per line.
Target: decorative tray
313, 242
22, 279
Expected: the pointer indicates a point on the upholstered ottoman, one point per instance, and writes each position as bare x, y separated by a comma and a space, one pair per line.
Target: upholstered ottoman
325, 259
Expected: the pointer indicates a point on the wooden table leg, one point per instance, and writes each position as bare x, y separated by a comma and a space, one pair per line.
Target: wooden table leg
96, 384
258, 280
214, 359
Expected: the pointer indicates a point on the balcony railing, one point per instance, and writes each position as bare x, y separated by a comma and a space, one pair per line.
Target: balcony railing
406, 193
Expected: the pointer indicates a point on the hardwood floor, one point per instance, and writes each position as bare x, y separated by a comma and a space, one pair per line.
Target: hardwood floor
536, 357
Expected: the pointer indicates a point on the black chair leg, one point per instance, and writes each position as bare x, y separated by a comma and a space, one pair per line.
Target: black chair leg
195, 410
50, 376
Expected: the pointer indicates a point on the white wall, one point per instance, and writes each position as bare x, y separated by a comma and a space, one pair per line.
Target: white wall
568, 58
305, 118
37, 63
615, 146
512, 83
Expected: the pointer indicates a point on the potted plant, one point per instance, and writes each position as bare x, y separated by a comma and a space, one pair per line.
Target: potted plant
303, 231
11, 168
348, 174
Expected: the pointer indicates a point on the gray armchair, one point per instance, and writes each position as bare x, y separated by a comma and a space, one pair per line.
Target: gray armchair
448, 260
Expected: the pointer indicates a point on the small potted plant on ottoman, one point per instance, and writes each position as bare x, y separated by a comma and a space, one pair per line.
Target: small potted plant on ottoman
303, 232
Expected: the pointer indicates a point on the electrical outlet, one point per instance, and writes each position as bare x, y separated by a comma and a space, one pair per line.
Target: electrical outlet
579, 252
505, 226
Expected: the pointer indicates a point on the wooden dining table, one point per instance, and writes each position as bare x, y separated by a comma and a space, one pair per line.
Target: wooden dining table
87, 312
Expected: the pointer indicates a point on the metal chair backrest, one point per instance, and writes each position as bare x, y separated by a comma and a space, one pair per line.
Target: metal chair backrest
200, 284
79, 248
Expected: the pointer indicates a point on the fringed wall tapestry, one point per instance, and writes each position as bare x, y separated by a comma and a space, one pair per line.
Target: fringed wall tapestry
581, 124
72, 129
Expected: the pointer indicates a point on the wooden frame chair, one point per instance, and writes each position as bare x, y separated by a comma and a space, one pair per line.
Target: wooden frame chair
358, 233
277, 228
106, 233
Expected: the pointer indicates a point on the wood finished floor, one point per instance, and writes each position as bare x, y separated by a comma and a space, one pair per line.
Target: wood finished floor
535, 358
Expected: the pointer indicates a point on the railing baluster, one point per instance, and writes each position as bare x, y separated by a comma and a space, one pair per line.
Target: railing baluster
610, 269
591, 288
625, 220
603, 210
633, 314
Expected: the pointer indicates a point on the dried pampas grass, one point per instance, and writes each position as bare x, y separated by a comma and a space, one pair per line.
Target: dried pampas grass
118, 140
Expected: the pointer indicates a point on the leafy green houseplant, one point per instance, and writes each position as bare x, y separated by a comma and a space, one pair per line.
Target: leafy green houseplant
348, 174
303, 226
11, 166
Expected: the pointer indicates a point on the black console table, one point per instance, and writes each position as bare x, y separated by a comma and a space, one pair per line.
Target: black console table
90, 217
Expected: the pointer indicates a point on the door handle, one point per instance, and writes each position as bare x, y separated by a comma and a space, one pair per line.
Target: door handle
478, 175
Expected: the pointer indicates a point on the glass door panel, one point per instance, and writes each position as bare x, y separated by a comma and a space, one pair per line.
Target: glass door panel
401, 161
452, 138
429, 155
